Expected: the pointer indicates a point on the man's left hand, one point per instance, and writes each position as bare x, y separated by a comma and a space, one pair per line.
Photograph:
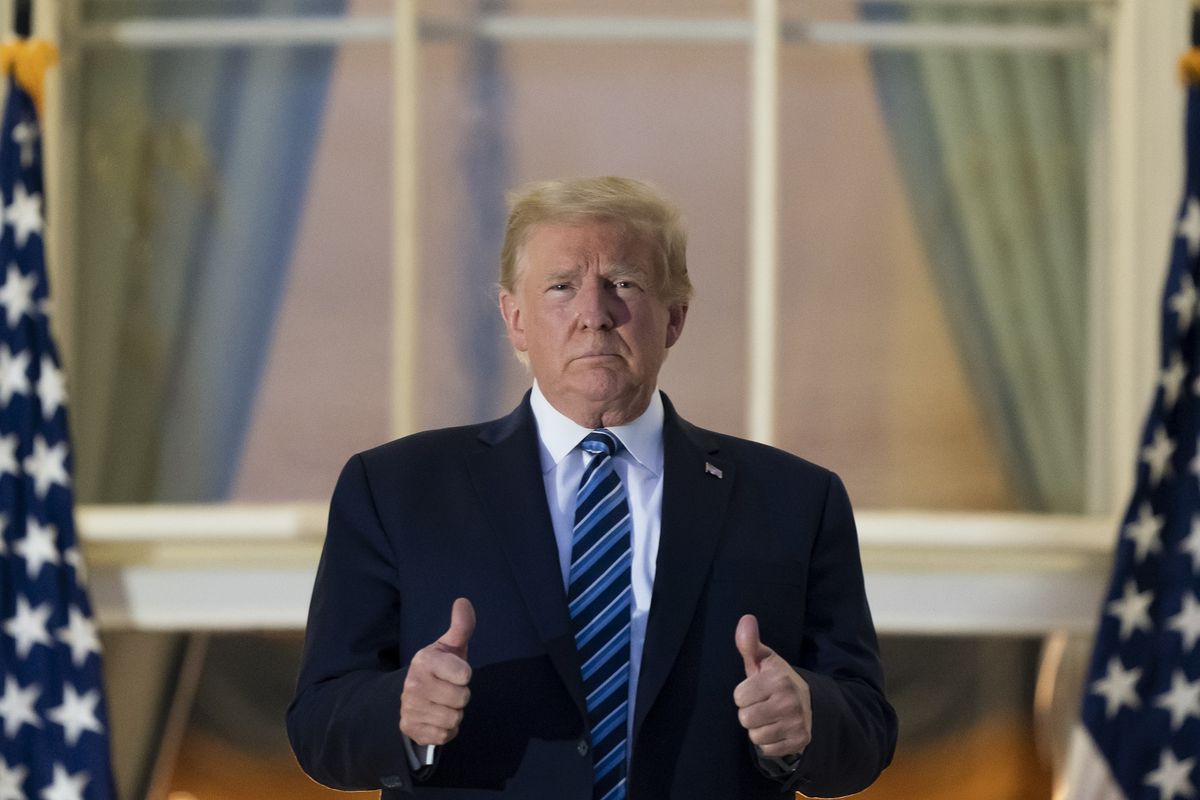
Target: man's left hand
774, 703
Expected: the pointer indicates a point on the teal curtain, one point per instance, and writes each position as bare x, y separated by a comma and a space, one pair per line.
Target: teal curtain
991, 146
194, 164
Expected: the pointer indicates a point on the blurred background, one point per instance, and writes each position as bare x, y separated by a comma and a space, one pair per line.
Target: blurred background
927, 239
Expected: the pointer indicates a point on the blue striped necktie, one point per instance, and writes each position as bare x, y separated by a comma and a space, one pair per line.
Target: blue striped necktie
600, 598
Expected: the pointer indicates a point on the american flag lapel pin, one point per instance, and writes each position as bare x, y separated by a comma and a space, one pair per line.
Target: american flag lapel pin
711, 470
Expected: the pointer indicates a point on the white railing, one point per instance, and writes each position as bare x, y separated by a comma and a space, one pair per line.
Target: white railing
238, 567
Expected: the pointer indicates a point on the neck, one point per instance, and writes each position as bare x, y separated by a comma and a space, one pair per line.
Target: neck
603, 415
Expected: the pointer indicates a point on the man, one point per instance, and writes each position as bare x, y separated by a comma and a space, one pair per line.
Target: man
591, 597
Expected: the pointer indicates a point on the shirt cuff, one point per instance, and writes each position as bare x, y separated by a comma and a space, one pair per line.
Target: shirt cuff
777, 766
421, 757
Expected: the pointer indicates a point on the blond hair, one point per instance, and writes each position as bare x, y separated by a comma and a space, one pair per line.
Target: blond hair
644, 209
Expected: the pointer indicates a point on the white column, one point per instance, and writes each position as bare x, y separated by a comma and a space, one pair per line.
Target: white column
406, 283
762, 274
1142, 186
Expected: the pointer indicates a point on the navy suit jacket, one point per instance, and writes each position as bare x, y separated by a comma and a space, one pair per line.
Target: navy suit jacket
462, 512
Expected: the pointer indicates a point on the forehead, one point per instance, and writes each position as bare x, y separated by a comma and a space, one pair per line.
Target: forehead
563, 245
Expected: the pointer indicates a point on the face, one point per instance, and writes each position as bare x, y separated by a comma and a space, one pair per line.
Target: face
587, 315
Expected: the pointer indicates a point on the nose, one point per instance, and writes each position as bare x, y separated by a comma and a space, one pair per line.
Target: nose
594, 306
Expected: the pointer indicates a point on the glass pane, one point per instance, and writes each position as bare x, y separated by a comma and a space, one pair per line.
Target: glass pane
673, 114
935, 270
233, 310
326, 389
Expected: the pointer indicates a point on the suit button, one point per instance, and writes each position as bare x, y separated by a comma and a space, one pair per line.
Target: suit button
582, 747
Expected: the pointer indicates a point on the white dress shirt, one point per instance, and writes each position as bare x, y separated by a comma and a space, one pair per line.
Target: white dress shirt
639, 465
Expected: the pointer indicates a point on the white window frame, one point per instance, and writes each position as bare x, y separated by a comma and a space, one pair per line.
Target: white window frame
230, 566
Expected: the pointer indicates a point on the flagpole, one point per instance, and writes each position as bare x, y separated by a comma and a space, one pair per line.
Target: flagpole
23, 18
1195, 23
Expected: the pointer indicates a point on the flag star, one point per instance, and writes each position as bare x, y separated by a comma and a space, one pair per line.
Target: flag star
1133, 609
1118, 687
65, 786
16, 295
1144, 532
11, 779
1182, 699
1158, 454
47, 465
72, 558
38, 547
28, 625
1191, 545
1187, 622
24, 134
76, 714
51, 387
13, 377
1171, 379
8, 455
24, 213
16, 706
1189, 226
1171, 777
79, 635
1183, 302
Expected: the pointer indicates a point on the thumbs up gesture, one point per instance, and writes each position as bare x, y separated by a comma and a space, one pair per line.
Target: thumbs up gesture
435, 690
774, 703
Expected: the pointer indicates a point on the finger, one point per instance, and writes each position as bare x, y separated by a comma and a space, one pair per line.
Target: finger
435, 716
766, 735
462, 625
792, 746
750, 691
422, 735
444, 693
418, 711
759, 715
749, 645
435, 663
449, 668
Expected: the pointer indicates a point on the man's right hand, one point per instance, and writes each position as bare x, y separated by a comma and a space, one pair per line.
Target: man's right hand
435, 691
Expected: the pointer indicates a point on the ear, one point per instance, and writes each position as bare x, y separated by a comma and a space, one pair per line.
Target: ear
513, 324
676, 316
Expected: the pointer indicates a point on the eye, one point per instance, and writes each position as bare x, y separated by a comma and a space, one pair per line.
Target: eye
559, 287
625, 284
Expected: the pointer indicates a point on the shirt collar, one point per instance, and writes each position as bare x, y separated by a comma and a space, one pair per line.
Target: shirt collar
559, 435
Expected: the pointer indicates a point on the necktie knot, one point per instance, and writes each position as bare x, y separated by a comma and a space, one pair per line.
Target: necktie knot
601, 441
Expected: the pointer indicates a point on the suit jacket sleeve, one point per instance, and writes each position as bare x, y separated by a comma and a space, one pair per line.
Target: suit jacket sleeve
853, 725
344, 723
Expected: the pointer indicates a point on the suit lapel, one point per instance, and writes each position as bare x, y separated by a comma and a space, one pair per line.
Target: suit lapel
508, 477
694, 504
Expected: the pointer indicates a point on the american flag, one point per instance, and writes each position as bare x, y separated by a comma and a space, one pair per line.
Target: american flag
53, 725
1141, 708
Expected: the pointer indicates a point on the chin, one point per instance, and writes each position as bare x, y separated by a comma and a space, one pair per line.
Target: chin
601, 385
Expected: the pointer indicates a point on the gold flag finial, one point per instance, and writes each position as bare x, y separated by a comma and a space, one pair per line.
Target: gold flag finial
28, 60
1189, 63
1189, 66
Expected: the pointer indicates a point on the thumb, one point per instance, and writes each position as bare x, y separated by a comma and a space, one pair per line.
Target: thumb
462, 625
749, 645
